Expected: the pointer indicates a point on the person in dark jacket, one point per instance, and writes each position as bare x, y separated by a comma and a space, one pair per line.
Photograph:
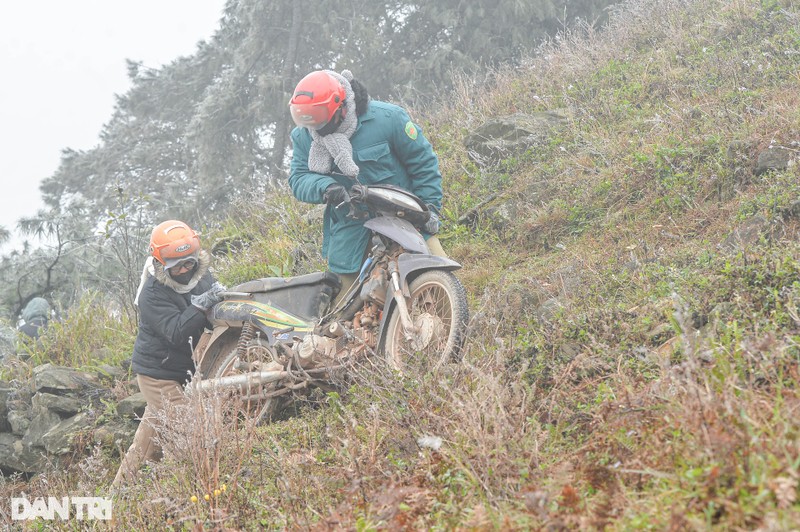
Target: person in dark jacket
36, 316
343, 138
175, 293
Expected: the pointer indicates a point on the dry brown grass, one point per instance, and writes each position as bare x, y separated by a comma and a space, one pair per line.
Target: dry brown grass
658, 392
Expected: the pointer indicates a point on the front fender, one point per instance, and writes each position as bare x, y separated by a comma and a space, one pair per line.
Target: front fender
401, 231
408, 263
411, 265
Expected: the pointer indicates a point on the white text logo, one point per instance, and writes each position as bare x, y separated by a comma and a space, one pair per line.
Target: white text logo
64, 508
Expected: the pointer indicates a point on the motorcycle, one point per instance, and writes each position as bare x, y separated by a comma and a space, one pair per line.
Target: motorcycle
274, 336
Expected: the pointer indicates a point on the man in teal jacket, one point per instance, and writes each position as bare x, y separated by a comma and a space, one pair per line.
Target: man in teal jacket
344, 138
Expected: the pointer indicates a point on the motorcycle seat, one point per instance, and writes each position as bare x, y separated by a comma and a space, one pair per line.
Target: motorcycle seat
271, 284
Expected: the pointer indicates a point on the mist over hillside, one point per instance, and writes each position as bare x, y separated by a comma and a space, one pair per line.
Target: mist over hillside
626, 208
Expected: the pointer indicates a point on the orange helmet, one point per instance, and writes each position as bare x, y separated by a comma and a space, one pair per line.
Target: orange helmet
316, 100
173, 241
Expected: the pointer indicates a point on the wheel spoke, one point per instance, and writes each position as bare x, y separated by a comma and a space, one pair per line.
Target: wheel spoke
431, 312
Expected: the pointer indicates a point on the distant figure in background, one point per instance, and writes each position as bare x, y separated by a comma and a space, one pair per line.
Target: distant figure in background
36, 316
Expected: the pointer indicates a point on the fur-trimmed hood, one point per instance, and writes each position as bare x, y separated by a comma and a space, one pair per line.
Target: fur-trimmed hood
160, 273
156, 269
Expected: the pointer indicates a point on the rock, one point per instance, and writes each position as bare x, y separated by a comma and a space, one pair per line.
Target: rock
740, 151
112, 373
47, 413
59, 439
43, 420
132, 406
5, 391
60, 380
58, 404
793, 210
747, 233
773, 159
568, 351
116, 434
106, 372
15, 456
19, 418
519, 299
230, 245
503, 137
8, 339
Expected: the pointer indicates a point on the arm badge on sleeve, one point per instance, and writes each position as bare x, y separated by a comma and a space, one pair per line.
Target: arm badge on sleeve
411, 130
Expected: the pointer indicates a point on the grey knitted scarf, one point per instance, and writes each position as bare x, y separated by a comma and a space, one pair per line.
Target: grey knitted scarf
335, 148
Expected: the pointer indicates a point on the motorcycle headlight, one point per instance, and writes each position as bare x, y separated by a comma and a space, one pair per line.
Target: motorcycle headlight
396, 198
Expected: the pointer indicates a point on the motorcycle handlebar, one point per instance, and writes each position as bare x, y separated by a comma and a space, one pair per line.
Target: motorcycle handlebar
356, 195
226, 294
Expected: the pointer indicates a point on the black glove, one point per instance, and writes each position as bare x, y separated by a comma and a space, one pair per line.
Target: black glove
335, 194
209, 298
358, 192
432, 225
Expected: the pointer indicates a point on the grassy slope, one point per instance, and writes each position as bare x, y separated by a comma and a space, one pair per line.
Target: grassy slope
662, 392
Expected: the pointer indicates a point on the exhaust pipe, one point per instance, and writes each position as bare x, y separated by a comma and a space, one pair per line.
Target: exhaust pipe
244, 381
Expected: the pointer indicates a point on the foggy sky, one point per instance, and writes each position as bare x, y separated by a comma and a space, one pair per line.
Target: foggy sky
62, 63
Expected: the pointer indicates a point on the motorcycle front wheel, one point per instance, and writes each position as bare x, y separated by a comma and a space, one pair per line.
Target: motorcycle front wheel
438, 310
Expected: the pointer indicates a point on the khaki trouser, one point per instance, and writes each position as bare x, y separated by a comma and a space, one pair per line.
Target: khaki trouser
349, 278
157, 393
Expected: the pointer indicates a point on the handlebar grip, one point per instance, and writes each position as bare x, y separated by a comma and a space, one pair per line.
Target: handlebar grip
226, 294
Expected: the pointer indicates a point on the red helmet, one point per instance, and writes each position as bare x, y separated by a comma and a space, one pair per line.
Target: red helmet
316, 100
173, 241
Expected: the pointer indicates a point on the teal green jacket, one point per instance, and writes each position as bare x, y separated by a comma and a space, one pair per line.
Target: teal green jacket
388, 149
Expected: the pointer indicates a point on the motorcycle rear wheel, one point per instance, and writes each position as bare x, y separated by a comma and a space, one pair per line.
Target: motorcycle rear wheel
438, 308
224, 364
217, 356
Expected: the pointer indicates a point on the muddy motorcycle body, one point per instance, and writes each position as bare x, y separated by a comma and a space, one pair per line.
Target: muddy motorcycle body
273, 336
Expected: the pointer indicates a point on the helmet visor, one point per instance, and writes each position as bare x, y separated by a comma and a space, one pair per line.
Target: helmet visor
175, 261
312, 116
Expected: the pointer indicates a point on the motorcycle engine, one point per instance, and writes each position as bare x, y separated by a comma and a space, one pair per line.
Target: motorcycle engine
374, 289
313, 347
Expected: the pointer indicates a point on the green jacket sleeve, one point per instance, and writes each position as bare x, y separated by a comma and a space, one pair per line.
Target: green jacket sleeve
417, 156
306, 185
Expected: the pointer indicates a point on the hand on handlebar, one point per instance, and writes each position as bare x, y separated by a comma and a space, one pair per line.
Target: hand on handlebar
210, 297
358, 192
432, 225
335, 195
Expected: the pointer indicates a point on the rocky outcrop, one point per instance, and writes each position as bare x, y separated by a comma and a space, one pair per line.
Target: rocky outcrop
56, 412
774, 158
503, 137
507, 136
